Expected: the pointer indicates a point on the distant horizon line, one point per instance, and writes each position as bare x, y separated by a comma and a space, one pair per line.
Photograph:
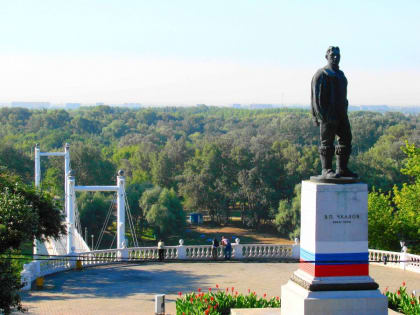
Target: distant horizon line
139, 104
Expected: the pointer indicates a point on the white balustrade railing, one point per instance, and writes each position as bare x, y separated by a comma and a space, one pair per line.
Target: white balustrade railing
53, 264
43, 267
136, 253
267, 251
49, 266
402, 260
412, 262
98, 257
382, 256
200, 252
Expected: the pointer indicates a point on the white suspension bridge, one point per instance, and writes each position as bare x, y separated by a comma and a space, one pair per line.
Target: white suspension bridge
73, 242
71, 250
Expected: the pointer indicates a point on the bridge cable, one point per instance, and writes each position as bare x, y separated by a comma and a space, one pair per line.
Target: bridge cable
112, 243
101, 234
131, 222
78, 226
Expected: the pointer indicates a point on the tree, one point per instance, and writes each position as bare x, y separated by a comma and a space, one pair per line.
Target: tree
259, 181
16, 161
395, 216
53, 181
89, 165
9, 287
206, 180
163, 211
256, 195
24, 214
27, 213
169, 163
93, 210
134, 191
162, 170
383, 227
380, 165
287, 220
84, 125
407, 199
15, 209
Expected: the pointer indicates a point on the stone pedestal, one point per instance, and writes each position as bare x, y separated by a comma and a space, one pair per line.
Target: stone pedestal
298, 300
333, 276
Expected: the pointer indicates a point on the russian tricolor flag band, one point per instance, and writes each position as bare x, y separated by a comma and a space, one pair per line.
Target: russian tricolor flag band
334, 265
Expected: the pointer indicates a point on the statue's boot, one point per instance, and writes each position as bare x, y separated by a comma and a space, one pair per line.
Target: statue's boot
326, 155
343, 155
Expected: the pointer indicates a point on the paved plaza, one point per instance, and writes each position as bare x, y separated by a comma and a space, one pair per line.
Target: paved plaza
130, 288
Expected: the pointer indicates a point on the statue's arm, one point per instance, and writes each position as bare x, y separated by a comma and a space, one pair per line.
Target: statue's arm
347, 101
318, 88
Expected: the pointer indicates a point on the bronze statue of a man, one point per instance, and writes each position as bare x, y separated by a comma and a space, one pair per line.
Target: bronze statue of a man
329, 108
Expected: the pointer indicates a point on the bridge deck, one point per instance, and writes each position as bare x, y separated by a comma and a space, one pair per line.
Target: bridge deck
130, 288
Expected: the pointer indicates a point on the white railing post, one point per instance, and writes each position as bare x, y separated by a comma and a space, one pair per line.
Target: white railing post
120, 210
403, 257
182, 253
70, 212
296, 249
36, 271
73, 258
237, 249
25, 278
123, 253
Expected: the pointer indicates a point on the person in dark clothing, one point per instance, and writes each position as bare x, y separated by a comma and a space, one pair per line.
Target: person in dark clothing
228, 248
329, 108
215, 245
161, 250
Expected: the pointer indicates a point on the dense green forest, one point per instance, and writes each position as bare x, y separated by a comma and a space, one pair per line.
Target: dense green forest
220, 161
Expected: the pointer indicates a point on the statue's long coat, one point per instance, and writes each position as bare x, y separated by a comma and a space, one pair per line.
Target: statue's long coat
329, 95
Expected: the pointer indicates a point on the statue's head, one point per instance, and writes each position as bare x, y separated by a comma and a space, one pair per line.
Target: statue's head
333, 55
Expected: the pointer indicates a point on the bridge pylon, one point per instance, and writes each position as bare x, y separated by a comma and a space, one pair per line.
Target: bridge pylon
119, 189
57, 247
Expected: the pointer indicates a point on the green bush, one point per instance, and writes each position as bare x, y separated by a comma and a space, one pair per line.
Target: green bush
401, 301
219, 301
9, 286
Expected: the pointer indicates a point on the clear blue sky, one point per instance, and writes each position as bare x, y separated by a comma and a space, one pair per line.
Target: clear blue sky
213, 52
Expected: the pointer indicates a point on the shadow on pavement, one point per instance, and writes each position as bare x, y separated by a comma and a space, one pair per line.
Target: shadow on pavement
114, 281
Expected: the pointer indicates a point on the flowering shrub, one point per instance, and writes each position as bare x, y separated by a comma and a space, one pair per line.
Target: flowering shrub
401, 301
219, 301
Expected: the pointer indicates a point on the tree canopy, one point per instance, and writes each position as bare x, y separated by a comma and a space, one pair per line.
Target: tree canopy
25, 213
395, 216
218, 161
